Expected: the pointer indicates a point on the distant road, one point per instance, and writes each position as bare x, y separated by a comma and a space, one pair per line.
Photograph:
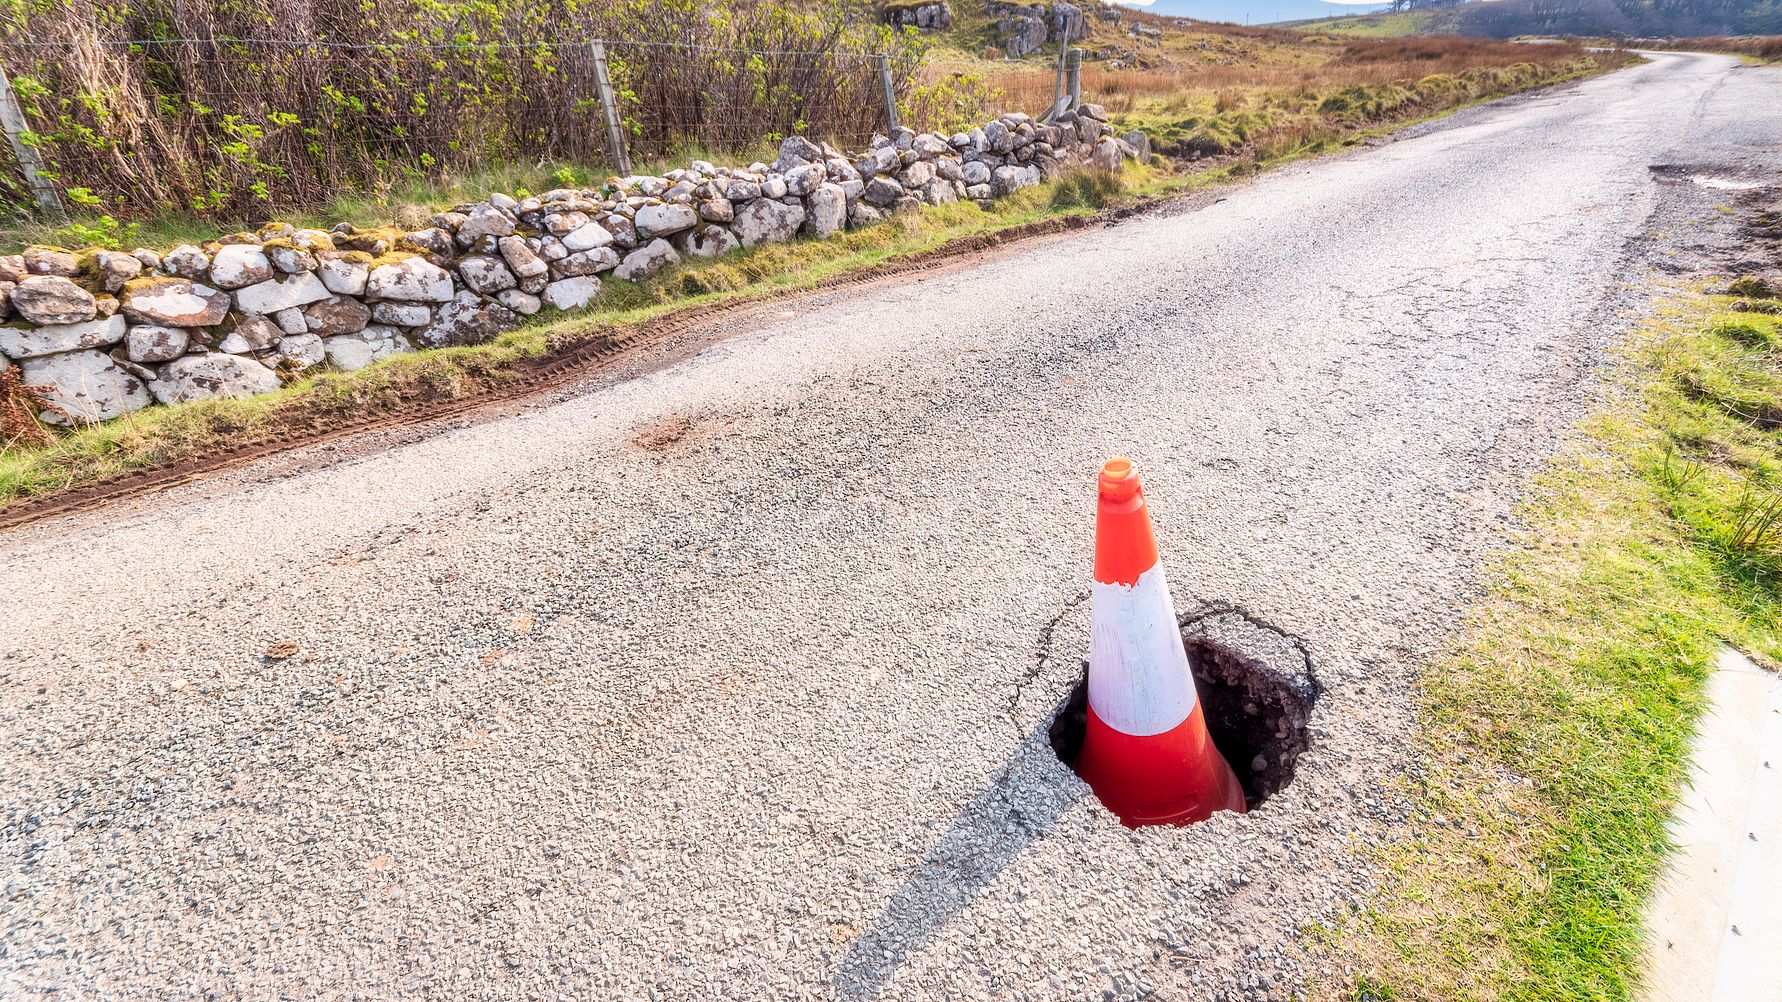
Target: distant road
726, 681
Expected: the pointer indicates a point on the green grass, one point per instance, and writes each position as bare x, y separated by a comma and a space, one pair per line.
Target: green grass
1557, 734
1382, 25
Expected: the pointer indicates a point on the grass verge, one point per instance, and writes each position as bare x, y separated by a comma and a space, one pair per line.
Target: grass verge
1557, 735
34, 463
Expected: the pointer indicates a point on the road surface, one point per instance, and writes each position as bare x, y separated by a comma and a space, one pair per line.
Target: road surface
731, 680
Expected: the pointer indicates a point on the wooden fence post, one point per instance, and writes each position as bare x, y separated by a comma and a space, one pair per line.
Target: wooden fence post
884, 63
609, 106
12, 120
1074, 82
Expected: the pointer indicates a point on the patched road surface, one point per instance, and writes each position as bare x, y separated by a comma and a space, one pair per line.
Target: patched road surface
732, 680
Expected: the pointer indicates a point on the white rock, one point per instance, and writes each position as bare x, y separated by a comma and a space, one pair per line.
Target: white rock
343, 272
52, 299
291, 321
212, 375
522, 260
523, 303
401, 314
661, 220
767, 221
84, 386
587, 237
572, 293
285, 293
31, 342
826, 210
647, 260
238, 266
485, 274
706, 241
302, 351
186, 261
414, 279
153, 343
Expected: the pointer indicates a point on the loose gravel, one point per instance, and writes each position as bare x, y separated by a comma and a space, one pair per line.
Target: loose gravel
731, 681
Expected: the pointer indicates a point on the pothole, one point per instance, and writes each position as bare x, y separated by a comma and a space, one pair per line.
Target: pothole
1256, 689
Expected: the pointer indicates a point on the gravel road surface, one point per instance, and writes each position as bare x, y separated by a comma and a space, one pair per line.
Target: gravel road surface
732, 680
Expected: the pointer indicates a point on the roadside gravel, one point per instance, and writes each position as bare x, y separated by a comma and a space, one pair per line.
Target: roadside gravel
732, 680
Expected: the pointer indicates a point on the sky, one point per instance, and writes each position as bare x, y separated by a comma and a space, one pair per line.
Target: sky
1259, 11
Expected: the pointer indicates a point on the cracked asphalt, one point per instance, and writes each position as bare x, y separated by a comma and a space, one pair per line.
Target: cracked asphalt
732, 680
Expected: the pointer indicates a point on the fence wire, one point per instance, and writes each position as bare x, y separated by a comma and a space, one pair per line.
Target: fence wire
244, 125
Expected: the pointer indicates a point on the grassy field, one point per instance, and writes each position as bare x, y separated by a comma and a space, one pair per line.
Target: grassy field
1386, 24
1556, 734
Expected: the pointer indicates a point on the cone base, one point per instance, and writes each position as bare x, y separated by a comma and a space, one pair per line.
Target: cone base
1174, 778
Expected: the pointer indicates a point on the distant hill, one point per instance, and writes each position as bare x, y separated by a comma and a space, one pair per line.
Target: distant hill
1511, 18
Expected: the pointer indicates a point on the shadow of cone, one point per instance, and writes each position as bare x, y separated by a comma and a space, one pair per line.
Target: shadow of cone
1146, 751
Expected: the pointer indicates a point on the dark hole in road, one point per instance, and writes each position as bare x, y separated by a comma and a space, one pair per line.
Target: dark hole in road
1256, 716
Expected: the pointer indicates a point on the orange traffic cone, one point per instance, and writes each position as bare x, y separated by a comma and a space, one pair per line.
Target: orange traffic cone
1146, 752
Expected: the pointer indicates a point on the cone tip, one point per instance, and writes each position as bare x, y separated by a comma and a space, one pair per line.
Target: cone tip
1119, 479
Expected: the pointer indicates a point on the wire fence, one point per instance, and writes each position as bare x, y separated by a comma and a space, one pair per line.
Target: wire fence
243, 125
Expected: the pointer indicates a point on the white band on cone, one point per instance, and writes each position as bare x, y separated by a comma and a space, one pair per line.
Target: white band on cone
1139, 682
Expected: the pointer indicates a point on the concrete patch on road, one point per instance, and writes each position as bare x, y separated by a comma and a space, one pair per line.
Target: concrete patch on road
1714, 932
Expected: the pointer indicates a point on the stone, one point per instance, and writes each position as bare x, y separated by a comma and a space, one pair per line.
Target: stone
312, 240
238, 266
861, 214
344, 273
1107, 153
114, 268
52, 299
413, 279
251, 335
801, 181
716, 210
766, 220
825, 211
437, 243
174, 302
624, 234
572, 293
153, 343
485, 220
647, 260
742, 191
301, 351
356, 351
882, 192
288, 259
12, 268
287, 292
82, 387
796, 151
929, 145
587, 237
503, 201
917, 174
933, 16
773, 188
401, 314
211, 376
939, 191
467, 319
1140, 143
32, 342
487, 275
291, 321
1022, 35
523, 303
336, 315
6, 298
560, 224
151, 259
522, 260
51, 261
975, 172
586, 262
664, 220
706, 241
1094, 111
186, 261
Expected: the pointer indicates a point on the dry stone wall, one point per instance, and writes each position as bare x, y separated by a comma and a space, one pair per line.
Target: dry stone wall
99, 333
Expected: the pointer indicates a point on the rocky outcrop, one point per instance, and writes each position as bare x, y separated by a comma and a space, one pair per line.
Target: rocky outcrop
99, 333
931, 16
1026, 28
